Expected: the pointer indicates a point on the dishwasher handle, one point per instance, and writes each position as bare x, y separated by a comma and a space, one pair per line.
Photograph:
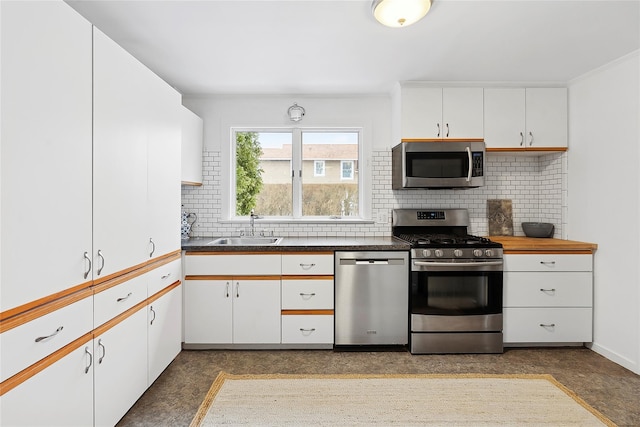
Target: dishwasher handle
372, 261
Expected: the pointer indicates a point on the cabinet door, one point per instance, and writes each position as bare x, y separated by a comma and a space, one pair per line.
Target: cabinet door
462, 113
208, 311
120, 368
61, 395
421, 113
119, 158
504, 118
192, 134
164, 331
256, 311
45, 150
546, 110
163, 167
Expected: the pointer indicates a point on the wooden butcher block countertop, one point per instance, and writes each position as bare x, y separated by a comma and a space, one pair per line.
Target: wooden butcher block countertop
526, 245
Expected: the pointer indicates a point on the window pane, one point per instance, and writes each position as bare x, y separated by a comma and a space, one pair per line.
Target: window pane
263, 173
329, 194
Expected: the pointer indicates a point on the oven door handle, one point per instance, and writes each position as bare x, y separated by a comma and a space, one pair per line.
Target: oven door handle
470, 164
458, 264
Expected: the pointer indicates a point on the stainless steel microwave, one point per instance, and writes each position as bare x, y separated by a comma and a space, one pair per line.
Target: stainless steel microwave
438, 164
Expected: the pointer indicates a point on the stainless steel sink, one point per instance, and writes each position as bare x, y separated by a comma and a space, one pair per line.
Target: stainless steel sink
246, 241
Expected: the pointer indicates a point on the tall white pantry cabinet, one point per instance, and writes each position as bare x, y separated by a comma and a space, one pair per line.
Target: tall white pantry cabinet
90, 290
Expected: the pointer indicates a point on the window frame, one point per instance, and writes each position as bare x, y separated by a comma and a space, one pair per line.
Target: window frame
315, 168
351, 177
364, 179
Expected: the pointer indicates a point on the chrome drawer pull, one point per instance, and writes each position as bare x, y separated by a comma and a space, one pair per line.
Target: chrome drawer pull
104, 351
165, 276
307, 266
548, 325
50, 336
307, 296
547, 262
86, 350
125, 298
547, 290
307, 332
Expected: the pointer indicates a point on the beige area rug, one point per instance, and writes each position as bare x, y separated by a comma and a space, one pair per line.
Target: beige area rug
399, 400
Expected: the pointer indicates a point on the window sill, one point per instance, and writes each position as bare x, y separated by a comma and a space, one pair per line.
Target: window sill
345, 220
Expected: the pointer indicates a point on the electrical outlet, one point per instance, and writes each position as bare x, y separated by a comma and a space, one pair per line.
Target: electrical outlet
383, 217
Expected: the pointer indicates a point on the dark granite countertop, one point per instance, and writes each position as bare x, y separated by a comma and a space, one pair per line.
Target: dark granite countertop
302, 244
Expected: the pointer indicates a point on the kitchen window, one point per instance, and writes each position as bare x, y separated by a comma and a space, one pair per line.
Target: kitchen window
297, 173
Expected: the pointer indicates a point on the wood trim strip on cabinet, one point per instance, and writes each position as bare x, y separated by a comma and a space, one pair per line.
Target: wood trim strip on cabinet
197, 253
41, 310
22, 376
197, 184
42, 301
111, 276
164, 259
548, 252
520, 150
103, 286
228, 277
307, 312
119, 318
161, 293
308, 253
307, 277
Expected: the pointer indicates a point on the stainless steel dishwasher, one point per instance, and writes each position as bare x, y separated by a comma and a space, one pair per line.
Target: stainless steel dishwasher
371, 298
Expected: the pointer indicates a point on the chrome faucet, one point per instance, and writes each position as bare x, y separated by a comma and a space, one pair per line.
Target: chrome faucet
252, 223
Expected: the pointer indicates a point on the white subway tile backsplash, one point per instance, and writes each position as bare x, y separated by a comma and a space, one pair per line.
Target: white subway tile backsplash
537, 187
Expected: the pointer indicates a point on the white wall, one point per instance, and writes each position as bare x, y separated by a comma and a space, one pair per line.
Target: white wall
604, 196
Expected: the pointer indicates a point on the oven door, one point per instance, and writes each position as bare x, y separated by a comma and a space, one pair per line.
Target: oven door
464, 300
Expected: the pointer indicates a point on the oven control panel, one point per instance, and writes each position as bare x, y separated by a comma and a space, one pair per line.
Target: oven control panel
430, 215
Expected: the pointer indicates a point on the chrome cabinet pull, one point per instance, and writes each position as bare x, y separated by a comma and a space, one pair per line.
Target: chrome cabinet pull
547, 262
521, 139
548, 325
153, 247
227, 290
531, 141
88, 258
124, 298
50, 336
165, 276
154, 314
86, 369
101, 259
547, 290
237, 289
438, 129
307, 266
104, 351
307, 296
447, 130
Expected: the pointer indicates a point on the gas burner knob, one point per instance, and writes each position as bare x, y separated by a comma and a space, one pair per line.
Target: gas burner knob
457, 252
488, 252
426, 253
477, 252
439, 253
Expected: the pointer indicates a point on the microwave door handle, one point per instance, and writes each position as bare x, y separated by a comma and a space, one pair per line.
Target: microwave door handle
470, 164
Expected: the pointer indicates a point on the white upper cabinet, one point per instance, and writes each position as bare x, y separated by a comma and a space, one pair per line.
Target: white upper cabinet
192, 140
45, 151
441, 113
525, 119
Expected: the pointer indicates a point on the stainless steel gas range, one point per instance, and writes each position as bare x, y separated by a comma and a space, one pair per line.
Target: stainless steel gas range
455, 298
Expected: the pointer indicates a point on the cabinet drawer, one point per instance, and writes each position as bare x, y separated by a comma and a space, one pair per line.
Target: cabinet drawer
118, 299
307, 294
307, 329
220, 264
20, 349
547, 325
555, 289
161, 277
307, 264
548, 262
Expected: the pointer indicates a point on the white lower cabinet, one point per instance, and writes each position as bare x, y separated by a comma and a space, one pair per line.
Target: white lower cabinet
307, 329
61, 395
232, 311
120, 355
548, 298
164, 332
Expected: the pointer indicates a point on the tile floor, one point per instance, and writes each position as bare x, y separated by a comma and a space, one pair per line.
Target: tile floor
175, 397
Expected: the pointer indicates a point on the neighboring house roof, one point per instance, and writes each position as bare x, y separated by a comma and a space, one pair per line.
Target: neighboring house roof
314, 152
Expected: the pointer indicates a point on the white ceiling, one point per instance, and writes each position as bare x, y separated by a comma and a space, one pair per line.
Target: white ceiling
336, 47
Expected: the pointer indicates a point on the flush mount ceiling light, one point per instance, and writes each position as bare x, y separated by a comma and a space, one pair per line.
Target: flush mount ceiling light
295, 112
400, 13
